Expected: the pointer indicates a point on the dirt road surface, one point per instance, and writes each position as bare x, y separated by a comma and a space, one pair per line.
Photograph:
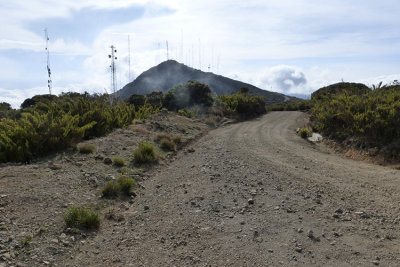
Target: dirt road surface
253, 194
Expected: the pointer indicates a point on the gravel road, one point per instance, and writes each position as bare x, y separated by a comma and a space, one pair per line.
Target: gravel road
255, 194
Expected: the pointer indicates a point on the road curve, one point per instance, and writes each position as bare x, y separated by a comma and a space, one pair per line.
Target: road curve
256, 194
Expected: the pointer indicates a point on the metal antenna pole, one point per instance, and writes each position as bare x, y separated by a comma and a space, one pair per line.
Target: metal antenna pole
129, 58
199, 54
167, 50
49, 82
113, 70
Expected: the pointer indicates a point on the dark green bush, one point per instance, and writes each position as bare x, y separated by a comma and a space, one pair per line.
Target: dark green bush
184, 96
304, 133
242, 104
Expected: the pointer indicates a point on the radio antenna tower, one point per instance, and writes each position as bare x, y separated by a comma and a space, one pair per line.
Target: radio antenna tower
113, 70
129, 58
167, 50
49, 82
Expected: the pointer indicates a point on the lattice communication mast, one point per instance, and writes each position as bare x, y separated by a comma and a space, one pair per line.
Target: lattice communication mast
113, 70
49, 82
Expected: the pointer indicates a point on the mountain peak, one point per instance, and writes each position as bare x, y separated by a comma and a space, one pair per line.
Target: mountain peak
170, 73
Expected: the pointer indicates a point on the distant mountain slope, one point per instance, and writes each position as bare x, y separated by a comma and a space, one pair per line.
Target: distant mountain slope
168, 74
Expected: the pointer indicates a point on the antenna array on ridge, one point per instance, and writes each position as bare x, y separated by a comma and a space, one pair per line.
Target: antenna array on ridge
113, 70
49, 82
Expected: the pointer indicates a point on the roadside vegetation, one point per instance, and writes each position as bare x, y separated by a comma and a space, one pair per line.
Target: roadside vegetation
49, 123
367, 118
355, 115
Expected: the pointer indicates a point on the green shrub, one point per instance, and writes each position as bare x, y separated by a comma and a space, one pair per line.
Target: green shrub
369, 118
301, 105
186, 113
242, 104
118, 161
125, 184
87, 148
145, 153
81, 217
304, 133
167, 144
122, 185
110, 190
187, 95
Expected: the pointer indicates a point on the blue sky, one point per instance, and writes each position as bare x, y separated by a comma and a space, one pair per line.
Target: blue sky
294, 47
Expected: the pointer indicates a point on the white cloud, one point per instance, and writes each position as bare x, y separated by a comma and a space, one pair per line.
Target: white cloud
239, 33
285, 79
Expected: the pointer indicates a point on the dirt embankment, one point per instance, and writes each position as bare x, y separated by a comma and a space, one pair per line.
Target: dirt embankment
248, 194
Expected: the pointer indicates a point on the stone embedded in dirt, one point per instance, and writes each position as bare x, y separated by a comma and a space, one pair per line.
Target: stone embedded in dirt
107, 161
298, 249
300, 230
339, 210
55, 166
146, 207
315, 138
310, 233
191, 150
250, 201
99, 157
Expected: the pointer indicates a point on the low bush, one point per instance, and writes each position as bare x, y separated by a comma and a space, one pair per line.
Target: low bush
125, 184
167, 144
242, 105
122, 185
304, 133
87, 148
82, 217
145, 153
302, 105
118, 161
110, 190
187, 113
